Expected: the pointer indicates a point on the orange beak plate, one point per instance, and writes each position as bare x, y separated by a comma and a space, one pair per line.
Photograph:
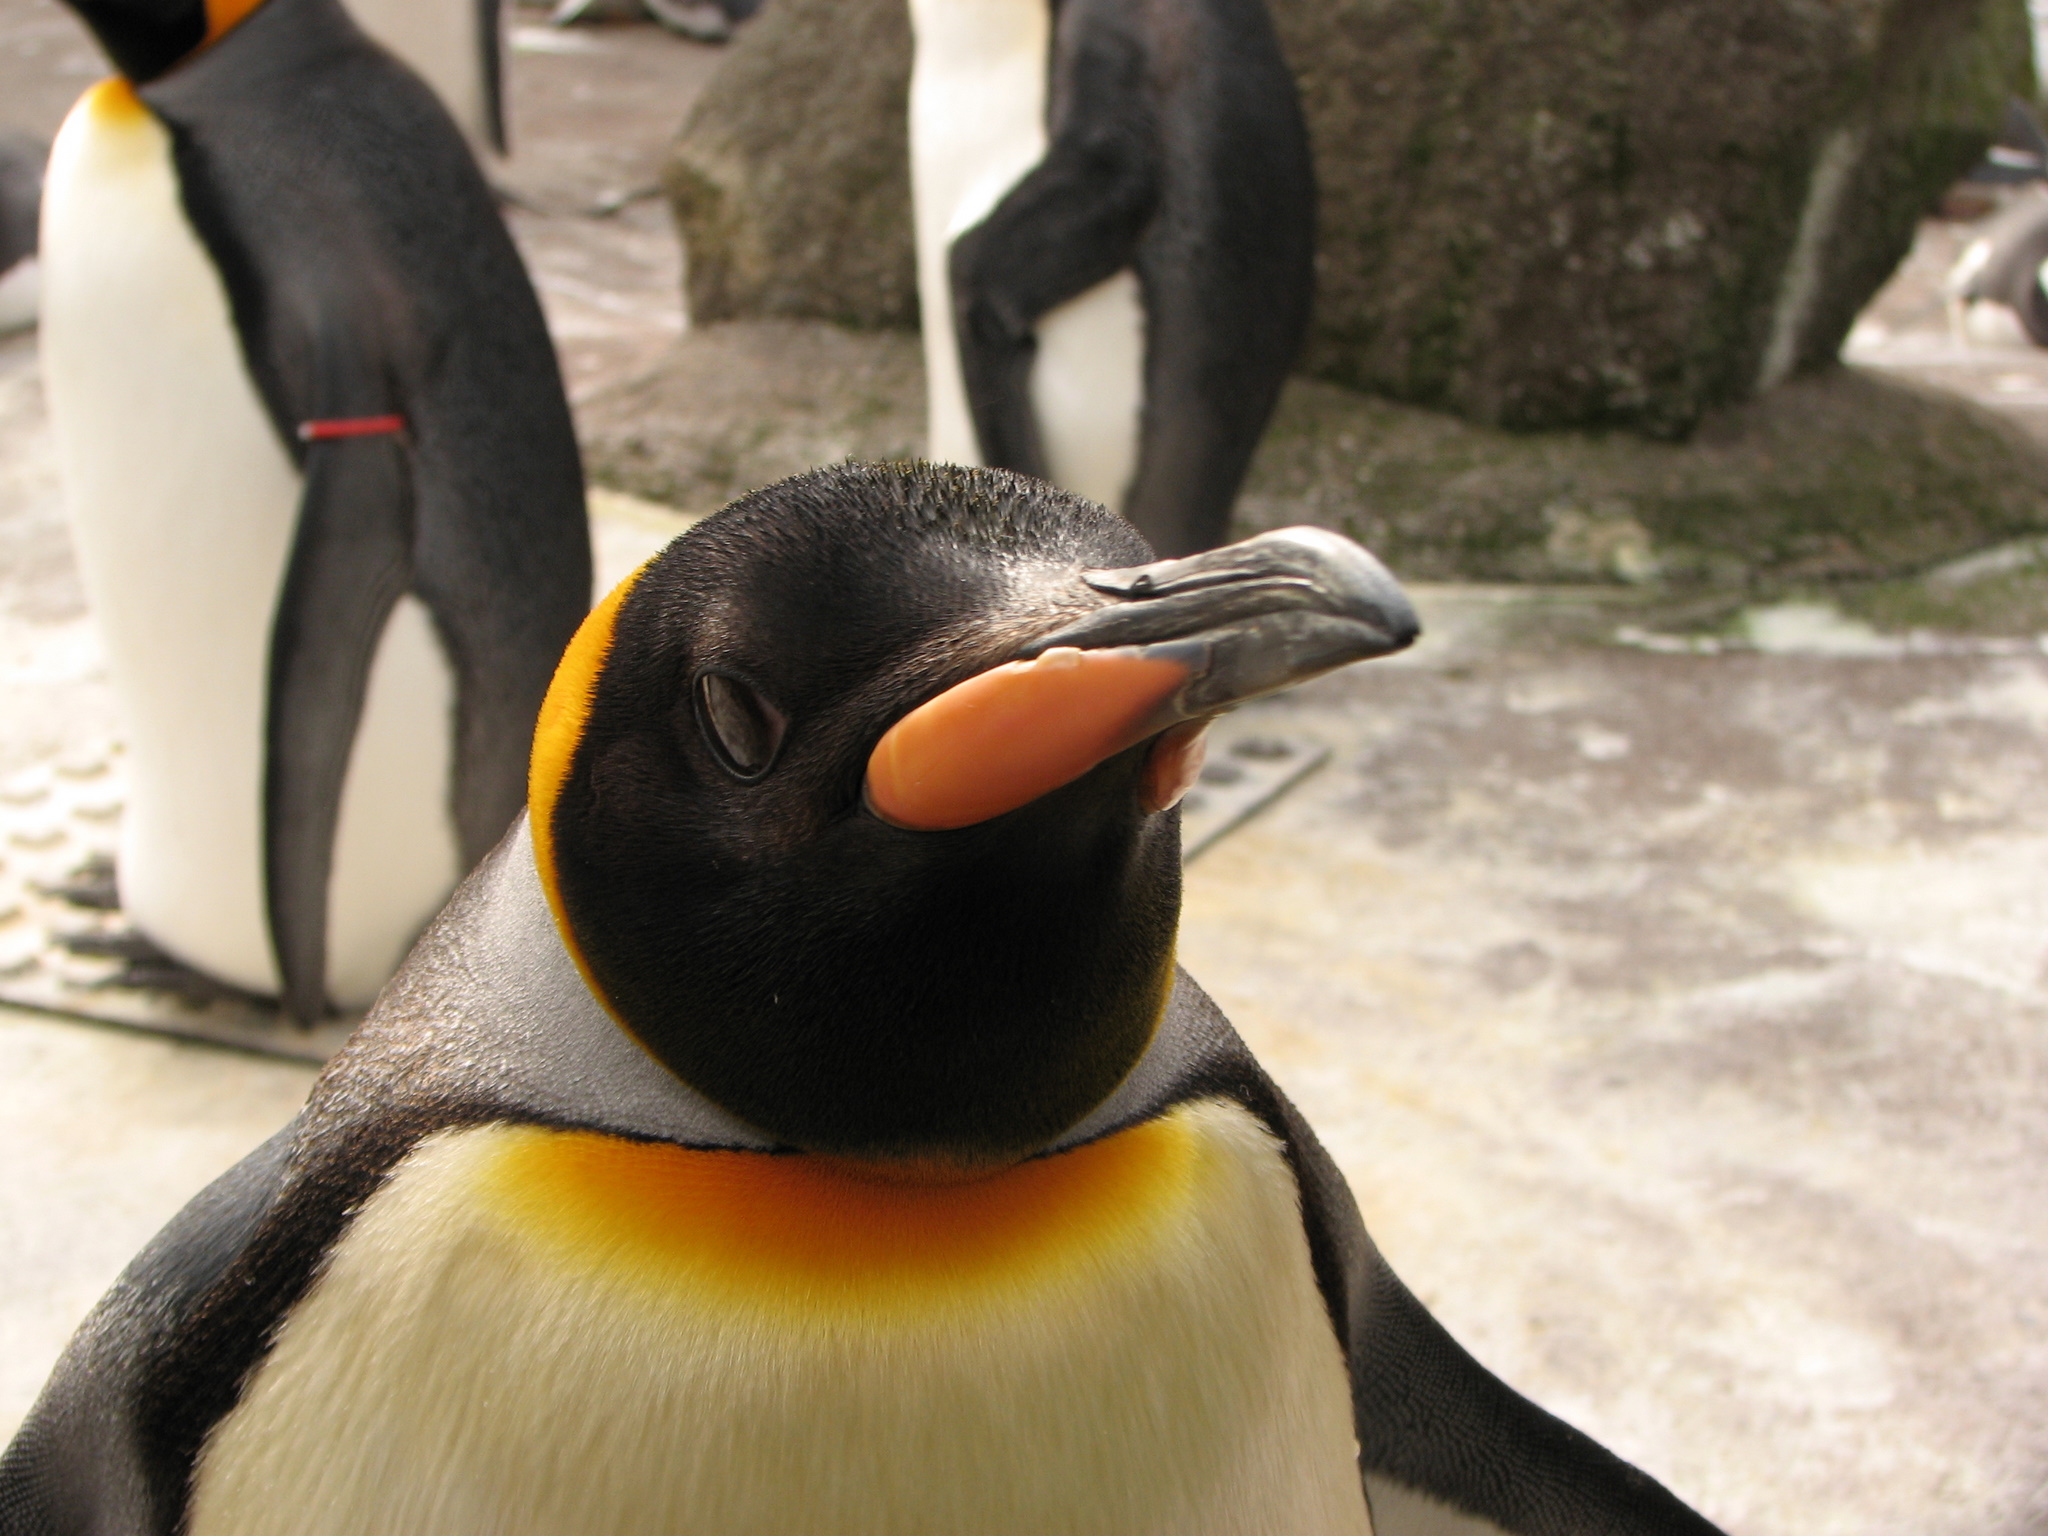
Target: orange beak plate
1015, 732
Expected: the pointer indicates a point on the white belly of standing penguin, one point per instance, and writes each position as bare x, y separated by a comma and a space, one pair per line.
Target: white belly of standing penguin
977, 127
182, 504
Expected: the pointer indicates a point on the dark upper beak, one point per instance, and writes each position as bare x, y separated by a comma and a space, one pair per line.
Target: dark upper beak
1248, 618
1174, 641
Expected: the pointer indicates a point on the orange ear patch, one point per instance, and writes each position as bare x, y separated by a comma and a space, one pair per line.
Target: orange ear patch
800, 1231
558, 732
1006, 736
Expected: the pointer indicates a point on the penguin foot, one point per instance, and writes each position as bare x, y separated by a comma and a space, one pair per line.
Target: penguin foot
91, 886
146, 968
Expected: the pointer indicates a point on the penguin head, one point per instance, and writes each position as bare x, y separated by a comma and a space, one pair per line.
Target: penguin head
856, 804
147, 38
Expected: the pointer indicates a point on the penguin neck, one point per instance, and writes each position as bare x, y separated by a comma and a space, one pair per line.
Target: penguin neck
146, 45
936, 1017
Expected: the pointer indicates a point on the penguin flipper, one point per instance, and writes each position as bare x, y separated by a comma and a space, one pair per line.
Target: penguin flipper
1074, 221
1446, 1447
351, 561
87, 1460
491, 71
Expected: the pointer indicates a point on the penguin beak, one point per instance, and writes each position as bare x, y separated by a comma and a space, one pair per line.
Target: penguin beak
1167, 647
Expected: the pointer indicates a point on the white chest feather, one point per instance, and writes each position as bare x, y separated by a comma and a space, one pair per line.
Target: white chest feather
183, 503
531, 1331
977, 126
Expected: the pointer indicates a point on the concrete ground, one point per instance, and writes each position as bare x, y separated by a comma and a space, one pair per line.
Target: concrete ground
1680, 1023
1678, 1011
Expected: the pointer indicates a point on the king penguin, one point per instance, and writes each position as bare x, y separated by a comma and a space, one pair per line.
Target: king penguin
799, 1124
322, 483
1114, 211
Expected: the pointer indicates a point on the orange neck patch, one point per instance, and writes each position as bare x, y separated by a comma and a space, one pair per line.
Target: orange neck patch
802, 1233
113, 102
557, 733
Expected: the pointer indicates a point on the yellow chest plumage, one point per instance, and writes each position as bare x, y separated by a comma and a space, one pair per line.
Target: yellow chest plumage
533, 1331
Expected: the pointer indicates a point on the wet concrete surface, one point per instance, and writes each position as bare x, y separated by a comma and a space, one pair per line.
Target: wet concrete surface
592, 109
1680, 1024
1680, 1017
103, 1136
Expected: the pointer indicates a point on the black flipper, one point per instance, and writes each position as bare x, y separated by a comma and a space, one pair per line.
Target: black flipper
491, 66
1228, 270
1429, 1417
351, 561
85, 1462
111, 1446
1436, 1421
503, 653
1178, 150
1073, 222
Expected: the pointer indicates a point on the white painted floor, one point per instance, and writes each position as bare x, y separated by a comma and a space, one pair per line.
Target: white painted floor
103, 1136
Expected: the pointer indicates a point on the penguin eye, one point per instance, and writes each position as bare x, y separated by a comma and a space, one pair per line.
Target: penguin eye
743, 728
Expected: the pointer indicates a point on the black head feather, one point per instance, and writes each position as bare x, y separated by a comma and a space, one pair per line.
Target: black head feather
846, 985
145, 38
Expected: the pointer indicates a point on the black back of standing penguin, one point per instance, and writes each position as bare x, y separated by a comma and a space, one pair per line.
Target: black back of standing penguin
801, 1124
1115, 227
317, 454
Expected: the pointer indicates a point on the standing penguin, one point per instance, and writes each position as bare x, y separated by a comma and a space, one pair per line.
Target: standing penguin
804, 1126
322, 480
1115, 232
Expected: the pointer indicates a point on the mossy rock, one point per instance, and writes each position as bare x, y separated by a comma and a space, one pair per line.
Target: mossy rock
738, 406
1533, 213
1843, 476
2002, 601
790, 181
1556, 213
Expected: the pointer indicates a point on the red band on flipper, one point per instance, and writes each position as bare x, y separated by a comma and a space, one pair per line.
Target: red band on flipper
349, 426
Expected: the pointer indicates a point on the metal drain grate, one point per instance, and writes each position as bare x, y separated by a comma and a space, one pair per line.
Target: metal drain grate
65, 946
